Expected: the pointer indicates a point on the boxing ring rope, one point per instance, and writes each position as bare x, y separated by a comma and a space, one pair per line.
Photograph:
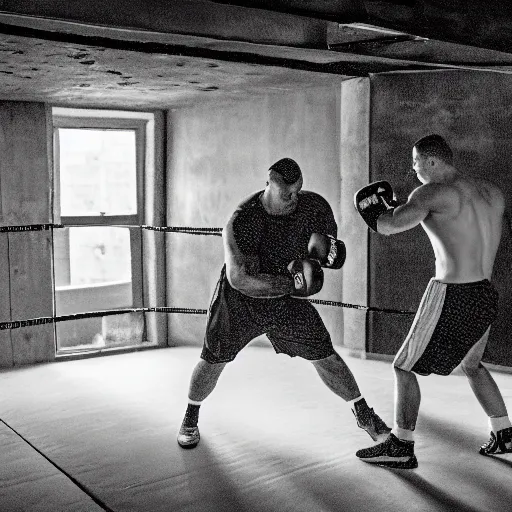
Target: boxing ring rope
17, 324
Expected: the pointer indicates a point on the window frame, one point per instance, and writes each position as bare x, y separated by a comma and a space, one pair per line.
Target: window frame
106, 123
143, 125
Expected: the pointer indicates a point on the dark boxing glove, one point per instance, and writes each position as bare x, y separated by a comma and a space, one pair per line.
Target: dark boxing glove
329, 251
374, 200
308, 277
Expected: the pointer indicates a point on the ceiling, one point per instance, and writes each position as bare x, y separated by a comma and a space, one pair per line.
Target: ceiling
153, 54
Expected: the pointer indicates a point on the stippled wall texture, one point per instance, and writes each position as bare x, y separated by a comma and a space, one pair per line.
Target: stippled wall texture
217, 156
473, 111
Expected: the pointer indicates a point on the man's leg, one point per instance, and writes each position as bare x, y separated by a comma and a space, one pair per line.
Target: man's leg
407, 400
202, 383
486, 390
490, 398
204, 379
397, 451
337, 376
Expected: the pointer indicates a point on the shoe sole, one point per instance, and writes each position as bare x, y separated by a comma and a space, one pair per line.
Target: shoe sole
497, 452
188, 441
410, 463
188, 446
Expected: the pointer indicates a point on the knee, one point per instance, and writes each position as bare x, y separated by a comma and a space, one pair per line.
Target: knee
399, 372
471, 370
326, 361
403, 375
210, 368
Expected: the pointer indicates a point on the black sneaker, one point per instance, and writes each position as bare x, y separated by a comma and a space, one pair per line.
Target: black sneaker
370, 421
392, 453
188, 437
501, 443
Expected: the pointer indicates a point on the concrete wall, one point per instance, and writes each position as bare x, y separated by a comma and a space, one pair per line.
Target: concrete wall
355, 172
472, 111
217, 156
26, 257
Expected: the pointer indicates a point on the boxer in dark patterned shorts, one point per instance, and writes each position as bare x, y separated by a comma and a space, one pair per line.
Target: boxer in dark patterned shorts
276, 245
463, 219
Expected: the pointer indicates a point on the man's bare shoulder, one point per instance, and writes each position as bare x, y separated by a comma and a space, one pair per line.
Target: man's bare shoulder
491, 192
489, 186
435, 195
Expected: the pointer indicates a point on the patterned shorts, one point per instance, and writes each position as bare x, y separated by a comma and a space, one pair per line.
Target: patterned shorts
293, 326
450, 320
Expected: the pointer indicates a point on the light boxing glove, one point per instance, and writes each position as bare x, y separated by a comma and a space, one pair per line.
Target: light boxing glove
330, 252
374, 200
308, 277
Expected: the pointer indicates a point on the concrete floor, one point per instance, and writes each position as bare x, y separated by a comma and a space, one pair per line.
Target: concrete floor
102, 437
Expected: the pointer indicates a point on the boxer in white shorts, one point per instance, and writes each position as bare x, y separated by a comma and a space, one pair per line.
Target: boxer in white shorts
463, 218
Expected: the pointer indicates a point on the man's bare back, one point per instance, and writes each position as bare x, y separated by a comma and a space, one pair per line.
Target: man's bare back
464, 227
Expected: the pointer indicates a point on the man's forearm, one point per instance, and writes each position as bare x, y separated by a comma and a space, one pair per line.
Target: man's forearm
385, 224
263, 286
395, 221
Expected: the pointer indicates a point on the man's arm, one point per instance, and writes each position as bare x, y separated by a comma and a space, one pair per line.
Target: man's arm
243, 273
422, 201
325, 222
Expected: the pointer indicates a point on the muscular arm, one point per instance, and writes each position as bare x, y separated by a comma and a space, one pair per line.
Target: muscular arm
422, 201
243, 274
325, 222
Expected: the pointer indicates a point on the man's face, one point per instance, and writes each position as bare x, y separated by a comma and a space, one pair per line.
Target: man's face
286, 195
421, 164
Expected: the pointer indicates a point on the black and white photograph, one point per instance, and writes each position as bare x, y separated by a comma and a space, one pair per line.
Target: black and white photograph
255, 256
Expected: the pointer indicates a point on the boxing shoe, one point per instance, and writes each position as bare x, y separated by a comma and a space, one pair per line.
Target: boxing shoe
392, 453
498, 443
188, 437
370, 421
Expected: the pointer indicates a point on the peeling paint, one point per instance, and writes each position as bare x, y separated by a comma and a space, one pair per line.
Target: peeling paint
63, 73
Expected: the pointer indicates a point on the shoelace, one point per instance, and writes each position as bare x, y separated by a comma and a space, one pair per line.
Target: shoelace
489, 443
188, 430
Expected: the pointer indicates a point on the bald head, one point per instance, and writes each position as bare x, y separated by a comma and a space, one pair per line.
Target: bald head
288, 169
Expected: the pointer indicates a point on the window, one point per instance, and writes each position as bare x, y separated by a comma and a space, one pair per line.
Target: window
100, 162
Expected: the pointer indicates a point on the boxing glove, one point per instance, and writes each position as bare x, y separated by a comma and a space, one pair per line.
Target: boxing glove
308, 277
374, 200
330, 252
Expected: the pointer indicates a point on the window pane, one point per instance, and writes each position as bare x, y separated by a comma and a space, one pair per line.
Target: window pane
97, 172
93, 272
92, 255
